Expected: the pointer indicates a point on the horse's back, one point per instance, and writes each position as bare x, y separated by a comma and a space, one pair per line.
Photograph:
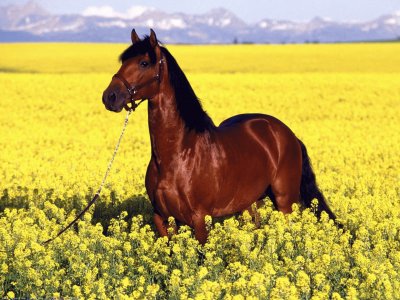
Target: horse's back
274, 136
241, 118
251, 117
260, 126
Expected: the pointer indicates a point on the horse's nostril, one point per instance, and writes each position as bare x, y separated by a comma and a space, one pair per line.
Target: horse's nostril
112, 97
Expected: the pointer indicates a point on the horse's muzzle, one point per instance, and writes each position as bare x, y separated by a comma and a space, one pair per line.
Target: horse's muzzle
113, 100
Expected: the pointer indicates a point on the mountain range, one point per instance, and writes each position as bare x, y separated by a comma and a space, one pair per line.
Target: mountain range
30, 22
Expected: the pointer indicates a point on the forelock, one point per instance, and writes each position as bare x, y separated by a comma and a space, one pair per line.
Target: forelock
140, 48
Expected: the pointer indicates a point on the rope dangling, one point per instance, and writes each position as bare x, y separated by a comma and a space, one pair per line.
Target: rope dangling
97, 195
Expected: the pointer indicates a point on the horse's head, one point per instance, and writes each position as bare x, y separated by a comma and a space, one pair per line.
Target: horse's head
139, 76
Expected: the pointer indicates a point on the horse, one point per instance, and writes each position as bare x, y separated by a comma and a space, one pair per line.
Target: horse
197, 168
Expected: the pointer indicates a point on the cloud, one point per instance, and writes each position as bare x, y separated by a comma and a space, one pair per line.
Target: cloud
136, 11
101, 11
109, 12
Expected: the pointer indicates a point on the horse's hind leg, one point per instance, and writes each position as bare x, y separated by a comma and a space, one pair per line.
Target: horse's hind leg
284, 201
252, 209
286, 187
286, 190
286, 183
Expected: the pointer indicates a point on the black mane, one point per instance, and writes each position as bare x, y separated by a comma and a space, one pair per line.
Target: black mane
188, 105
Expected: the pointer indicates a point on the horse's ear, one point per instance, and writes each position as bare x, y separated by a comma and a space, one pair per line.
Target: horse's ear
153, 38
134, 36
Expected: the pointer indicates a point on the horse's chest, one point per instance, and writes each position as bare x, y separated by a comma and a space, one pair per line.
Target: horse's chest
185, 186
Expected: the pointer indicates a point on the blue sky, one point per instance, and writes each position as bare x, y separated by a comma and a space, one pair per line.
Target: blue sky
249, 10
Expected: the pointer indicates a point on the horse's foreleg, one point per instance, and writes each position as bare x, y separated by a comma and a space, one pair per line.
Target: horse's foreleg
200, 229
161, 225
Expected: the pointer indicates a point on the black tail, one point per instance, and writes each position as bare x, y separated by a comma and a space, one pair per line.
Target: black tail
309, 189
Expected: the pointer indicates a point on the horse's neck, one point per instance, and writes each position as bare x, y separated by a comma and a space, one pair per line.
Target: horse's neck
167, 129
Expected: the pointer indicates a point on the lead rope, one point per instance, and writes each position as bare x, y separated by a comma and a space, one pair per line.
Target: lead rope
97, 195
115, 151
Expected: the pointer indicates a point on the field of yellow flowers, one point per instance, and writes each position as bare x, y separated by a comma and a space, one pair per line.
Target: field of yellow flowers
56, 139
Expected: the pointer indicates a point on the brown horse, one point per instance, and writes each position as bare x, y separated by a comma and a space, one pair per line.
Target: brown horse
197, 168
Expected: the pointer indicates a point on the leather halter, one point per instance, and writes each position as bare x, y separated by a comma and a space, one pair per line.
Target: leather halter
133, 89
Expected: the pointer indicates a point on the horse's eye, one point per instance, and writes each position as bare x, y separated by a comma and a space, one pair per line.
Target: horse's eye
144, 64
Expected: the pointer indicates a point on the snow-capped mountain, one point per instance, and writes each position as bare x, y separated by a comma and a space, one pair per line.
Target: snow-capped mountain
30, 22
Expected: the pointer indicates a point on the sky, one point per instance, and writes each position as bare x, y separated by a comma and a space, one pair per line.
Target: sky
250, 11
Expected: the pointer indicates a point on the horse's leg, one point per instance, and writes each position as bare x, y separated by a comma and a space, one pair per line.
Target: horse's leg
286, 182
252, 209
200, 229
161, 224
286, 189
284, 202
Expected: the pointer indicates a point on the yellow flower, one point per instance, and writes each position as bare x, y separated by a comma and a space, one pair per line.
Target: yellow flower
4, 268
303, 282
76, 291
283, 289
208, 220
202, 272
351, 294
176, 248
125, 282
127, 247
371, 278
336, 296
319, 279
152, 290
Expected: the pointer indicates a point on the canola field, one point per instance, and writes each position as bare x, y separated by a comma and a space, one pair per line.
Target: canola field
56, 139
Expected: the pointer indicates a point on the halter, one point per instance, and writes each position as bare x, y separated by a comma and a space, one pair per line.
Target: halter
133, 89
